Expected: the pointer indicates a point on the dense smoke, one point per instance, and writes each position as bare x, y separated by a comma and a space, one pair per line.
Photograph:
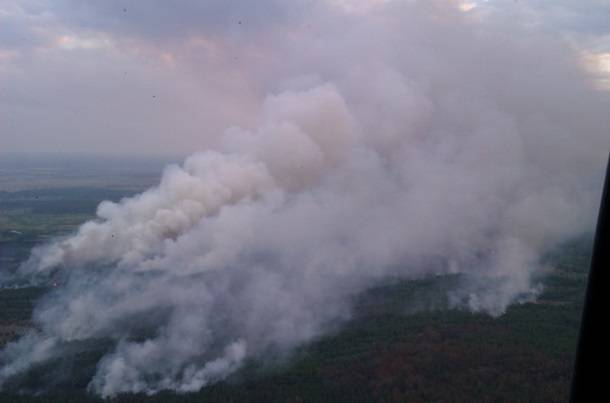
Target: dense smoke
414, 140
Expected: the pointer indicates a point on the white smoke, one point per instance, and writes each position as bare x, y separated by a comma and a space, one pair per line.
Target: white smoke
375, 164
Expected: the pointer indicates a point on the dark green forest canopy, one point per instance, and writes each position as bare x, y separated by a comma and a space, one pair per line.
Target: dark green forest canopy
389, 352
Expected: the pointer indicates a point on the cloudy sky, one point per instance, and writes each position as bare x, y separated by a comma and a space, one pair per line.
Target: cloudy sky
158, 77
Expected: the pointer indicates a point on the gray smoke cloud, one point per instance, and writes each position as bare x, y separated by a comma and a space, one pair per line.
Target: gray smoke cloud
418, 141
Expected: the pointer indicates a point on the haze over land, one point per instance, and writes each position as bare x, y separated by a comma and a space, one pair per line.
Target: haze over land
396, 140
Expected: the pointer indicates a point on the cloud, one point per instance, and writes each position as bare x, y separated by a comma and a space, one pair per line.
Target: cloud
585, 21
159, 20
161, 78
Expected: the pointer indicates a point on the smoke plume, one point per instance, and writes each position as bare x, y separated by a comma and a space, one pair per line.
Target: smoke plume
413, 140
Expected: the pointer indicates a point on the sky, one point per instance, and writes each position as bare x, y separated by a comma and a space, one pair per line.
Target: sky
132, 77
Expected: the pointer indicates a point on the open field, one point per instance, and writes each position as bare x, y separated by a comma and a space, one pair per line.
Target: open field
46, 195
30, 172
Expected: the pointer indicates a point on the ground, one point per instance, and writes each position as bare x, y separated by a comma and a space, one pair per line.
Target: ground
389, 352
